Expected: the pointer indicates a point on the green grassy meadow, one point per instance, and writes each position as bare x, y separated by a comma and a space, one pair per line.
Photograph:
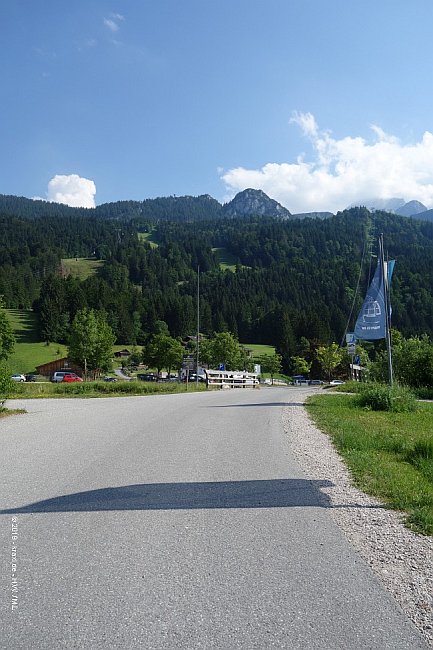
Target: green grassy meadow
147, 237
81, 267
227, 261
29, 350
390, 455
259, 350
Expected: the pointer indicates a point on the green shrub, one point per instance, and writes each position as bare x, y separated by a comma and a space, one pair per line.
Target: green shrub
380, 397
423, 392
6, 383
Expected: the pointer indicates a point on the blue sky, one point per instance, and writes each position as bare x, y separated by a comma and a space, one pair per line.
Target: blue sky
320, 103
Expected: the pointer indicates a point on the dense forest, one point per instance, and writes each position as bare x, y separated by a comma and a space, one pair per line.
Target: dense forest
290, 280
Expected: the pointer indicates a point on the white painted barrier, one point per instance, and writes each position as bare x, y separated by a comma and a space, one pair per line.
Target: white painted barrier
231, 379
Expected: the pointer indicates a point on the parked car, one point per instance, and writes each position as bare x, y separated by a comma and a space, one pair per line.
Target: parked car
71, 377
147, 377
110, 379
193, 378
298, 381
58, 376
336, 382
31, 377
315, 382
18, 378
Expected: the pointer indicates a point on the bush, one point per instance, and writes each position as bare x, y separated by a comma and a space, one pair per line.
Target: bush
380, 397
6, 383
423, 392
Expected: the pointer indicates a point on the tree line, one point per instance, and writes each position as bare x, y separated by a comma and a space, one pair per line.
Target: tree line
292, 280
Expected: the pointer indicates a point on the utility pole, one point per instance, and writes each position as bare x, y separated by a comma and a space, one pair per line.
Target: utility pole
198, 321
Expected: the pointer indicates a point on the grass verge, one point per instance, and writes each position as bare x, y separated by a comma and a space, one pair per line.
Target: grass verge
390, 455
97, 389
4, 412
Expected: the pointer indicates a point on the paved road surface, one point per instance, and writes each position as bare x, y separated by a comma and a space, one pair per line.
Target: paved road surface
177, 521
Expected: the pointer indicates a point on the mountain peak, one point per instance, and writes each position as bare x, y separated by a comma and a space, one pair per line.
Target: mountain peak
395, 205
388, 205
411, 208
252, 202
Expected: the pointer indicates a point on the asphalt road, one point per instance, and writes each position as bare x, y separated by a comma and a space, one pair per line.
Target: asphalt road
176, 521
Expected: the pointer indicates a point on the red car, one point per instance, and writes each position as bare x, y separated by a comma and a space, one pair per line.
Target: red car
70, 377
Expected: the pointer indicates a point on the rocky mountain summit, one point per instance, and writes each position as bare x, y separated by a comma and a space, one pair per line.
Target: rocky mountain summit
255, 202
247, 203
393, 205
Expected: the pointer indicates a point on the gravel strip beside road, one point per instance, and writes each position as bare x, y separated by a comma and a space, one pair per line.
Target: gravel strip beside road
402, 560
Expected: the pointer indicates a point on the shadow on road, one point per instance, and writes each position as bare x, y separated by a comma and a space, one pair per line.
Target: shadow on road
275, 493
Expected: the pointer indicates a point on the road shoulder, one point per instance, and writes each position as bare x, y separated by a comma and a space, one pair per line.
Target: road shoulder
401, 559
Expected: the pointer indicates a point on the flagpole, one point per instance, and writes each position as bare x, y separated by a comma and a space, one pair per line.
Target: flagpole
387, 303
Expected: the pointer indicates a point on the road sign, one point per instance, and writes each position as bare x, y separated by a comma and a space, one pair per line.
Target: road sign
351, 349
188, 361
221, 366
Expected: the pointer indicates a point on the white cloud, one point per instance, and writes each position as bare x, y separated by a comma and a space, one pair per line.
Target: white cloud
73, 190
112, 23
344, 171
112, 26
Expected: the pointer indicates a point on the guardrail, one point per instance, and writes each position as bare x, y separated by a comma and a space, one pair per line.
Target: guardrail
231, 379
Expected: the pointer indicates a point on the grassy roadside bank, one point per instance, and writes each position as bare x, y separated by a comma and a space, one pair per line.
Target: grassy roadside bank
97, 389
390, 455
4, 412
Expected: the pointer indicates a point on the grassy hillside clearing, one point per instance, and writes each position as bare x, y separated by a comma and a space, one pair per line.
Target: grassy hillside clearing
29, 350
25, 325
81, 267
259, 350
147, 237
226, 260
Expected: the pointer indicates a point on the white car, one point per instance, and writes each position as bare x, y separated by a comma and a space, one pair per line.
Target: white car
336, 382
18, 378
58, 376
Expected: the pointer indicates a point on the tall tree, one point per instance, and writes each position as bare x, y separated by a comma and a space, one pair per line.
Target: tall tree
91, 341
300, 366
329, 357
7, 337
163, 351
271, 364
225, 350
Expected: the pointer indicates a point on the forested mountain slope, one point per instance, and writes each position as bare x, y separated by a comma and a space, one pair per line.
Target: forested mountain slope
181, 208
293, 278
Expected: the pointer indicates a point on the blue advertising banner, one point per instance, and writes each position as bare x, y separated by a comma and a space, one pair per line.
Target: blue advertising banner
371, 319
370, 324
